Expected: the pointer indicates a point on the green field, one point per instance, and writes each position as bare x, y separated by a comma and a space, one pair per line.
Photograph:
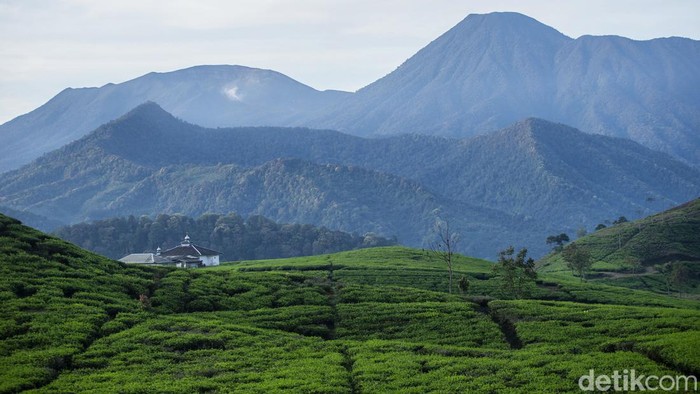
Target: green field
367, 321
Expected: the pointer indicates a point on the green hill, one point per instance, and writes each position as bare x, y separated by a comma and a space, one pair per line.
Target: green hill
371, 320
632, 254
56, 300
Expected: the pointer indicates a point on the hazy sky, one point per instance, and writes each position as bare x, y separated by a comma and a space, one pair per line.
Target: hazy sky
48, 45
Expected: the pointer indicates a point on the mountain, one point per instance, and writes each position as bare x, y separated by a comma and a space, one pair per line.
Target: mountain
536, 167
484, 74
641, 90
126, 168
207, 95
479, 76
42, 223
349, 199
517, 185
492, 70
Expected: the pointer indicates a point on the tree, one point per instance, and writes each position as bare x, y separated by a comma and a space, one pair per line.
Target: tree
236, 238
558, 240
444, 246
666, 271
581, 232
516, 274
600, 226
620, 220
633, 264
463, 285
578, 259
144, 302
679, 275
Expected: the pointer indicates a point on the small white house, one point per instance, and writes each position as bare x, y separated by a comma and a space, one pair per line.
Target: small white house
185, 255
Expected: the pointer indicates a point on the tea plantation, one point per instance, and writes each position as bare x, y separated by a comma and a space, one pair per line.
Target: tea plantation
636, 254
368, 321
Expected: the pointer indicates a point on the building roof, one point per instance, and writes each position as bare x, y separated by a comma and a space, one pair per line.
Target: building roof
138, 258
186, 248
144, 258
189, 250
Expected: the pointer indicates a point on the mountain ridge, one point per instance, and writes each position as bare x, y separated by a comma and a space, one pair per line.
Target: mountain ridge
486, 73
224, 95
441, 57
608, 85
503, 182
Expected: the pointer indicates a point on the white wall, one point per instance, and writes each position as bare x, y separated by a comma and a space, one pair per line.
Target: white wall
210, 260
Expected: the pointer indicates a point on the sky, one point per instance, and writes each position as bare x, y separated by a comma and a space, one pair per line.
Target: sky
49, 45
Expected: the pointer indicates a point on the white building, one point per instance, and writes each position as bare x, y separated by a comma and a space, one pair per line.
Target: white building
185, 255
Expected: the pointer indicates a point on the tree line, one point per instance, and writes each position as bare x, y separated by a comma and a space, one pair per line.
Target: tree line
236, 238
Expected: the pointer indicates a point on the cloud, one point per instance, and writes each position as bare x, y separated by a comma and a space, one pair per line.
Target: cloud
232, 93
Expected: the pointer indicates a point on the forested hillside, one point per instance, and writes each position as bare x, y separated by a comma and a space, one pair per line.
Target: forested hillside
514, 186
235, 237
42, 223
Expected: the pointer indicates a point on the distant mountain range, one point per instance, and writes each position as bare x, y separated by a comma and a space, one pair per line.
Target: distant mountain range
492, 70
484, 74
512, 186
206, 95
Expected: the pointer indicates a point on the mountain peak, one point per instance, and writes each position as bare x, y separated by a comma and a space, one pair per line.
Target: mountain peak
148, 109
492, 63
544, 131
502, 18
140, 133
507, 23
147, 113
220, 71
533, 124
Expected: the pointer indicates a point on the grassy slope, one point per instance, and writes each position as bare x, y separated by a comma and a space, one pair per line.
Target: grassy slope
670, 236
375, 320
56, 299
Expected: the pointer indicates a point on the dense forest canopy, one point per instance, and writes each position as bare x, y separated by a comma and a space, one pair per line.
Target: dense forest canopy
235, 237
